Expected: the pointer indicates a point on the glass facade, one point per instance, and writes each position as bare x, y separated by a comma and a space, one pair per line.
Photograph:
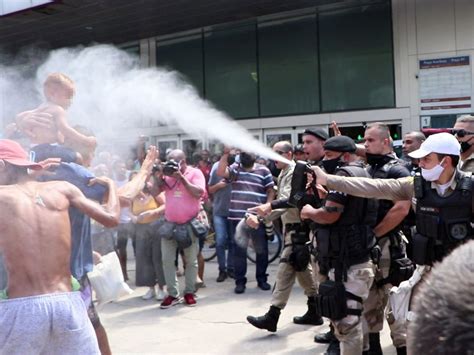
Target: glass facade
356, 58
288, 66
231, 70
324, 61
183, 55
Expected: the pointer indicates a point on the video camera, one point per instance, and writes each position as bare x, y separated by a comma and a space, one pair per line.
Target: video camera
170, 167
299, 196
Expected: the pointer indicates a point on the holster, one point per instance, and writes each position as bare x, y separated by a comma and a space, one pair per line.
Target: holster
423, 249
331, 301
401, 267
300, 254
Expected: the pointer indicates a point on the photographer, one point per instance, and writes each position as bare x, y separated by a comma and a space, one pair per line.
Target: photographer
183, 187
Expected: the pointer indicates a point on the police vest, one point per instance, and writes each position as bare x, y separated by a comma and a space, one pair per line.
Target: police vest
382, 173
349, 240
442, 223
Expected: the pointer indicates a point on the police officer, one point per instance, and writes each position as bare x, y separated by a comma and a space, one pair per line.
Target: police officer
442, 194
344, 242
411, 142
383, 164
289, 268
464, 131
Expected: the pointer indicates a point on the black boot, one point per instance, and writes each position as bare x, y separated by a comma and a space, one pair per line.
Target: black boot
311, 316
402, 350
333, 348
374, 343
325, 338
222, 276
268, 321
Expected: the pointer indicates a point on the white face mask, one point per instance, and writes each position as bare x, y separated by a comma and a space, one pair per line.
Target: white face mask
432, 174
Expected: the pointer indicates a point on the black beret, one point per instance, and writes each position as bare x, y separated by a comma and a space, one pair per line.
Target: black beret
340, 144
317, 132
298, 148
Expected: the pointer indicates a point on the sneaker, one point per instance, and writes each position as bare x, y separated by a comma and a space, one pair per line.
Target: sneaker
160, 295
170, 301
265, 286
189, 300
149, 294
222, 276
239, 288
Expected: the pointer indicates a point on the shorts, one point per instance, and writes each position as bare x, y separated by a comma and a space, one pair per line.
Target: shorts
86, 295
46, 324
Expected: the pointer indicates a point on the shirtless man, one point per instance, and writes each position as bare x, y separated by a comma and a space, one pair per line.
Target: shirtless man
42, 314
46, 140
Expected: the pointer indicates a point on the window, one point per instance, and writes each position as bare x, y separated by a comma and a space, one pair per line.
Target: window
288, 66
185, 56
356, 58
231, 70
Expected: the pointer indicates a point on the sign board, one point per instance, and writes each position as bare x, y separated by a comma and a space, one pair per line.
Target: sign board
445, 86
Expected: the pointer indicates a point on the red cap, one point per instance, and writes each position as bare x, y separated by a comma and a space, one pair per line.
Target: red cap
13, 153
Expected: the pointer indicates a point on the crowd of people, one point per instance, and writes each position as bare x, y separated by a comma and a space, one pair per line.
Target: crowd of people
359, 223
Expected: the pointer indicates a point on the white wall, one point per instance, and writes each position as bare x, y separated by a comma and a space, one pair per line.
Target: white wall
427, 29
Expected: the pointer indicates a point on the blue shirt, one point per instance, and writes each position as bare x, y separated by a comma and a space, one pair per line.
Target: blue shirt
221, 198
81, 249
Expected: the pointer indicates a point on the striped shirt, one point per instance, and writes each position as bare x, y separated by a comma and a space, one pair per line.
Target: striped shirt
249, 189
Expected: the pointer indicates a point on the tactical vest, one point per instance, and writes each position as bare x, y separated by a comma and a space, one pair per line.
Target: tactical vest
381, 172
442, 223
349, 240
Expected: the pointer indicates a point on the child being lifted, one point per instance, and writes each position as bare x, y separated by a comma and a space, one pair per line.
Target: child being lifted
47, 139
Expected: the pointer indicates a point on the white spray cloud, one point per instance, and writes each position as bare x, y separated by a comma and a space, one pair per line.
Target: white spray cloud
17, 92
113, 92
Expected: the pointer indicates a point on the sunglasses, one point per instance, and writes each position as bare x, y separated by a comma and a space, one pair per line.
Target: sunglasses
461, 133
280, 152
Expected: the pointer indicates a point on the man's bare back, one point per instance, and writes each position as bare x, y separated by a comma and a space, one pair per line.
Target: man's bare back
36, 236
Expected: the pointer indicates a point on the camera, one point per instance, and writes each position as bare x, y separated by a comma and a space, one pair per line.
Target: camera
170, 167
299, 197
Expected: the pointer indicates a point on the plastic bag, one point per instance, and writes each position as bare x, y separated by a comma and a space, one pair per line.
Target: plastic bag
107, 279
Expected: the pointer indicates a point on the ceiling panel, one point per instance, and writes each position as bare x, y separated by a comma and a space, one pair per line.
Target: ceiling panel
73, 22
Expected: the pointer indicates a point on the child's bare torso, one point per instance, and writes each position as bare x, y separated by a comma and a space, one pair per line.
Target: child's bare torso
45, 135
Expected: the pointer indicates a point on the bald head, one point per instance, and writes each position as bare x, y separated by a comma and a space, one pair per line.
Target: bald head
177, 155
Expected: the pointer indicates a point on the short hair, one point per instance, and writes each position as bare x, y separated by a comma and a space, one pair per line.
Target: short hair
454, 158
59, 80
443, 306
419, 136
466, 119
382, 128
197, 158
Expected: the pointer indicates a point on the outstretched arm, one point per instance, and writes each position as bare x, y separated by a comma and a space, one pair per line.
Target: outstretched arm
222, 167
107, 215
385, 189
132, 188
70, 133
